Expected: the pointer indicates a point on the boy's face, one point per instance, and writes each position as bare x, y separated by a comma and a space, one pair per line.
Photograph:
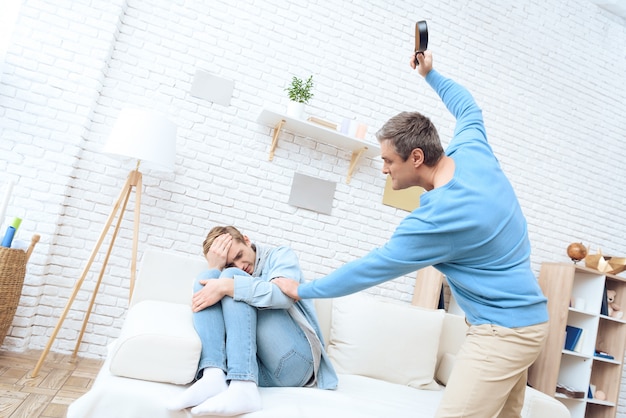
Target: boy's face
241, 255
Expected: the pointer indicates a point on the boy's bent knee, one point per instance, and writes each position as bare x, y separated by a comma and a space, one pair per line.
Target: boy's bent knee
230, 272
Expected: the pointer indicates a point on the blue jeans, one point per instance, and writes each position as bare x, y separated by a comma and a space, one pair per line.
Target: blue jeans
261, 345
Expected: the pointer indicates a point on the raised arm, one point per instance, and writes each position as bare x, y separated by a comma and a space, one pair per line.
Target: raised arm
457, 99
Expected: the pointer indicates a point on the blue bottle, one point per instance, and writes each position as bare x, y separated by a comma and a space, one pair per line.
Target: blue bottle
8, 236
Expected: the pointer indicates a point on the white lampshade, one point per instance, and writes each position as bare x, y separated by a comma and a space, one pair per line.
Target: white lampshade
144, 135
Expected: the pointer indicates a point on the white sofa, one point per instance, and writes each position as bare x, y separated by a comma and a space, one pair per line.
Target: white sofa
390, 357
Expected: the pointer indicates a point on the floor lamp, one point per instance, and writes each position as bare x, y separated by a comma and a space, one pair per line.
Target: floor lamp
146, 137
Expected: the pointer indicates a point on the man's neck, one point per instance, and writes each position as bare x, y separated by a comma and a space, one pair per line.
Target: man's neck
441, 173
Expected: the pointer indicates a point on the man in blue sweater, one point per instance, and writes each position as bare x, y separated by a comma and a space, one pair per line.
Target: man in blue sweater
470, 227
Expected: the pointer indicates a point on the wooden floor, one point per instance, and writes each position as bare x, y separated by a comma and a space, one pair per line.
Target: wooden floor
48, 395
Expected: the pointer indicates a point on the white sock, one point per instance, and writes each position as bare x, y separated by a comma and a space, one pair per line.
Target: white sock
241, 397
213, 381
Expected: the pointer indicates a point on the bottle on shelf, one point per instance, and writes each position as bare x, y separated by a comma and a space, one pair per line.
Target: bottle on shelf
10, 233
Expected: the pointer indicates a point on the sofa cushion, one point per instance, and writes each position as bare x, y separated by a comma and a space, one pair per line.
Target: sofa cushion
389, 341
158, 343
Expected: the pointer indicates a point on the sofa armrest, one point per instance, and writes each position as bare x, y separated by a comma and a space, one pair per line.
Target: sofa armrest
158, 343
539, 405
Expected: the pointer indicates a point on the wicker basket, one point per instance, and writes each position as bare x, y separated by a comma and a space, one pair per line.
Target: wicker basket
12, 272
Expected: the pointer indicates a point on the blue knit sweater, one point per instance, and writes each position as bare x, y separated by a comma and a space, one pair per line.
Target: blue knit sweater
472, 230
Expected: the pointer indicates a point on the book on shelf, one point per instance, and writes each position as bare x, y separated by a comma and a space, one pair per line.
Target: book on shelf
569, 391
604, 308
579, 344
603, 354
572, 337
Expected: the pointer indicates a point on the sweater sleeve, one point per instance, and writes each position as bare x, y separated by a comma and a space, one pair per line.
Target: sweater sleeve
352, 277
410, 248
461, 104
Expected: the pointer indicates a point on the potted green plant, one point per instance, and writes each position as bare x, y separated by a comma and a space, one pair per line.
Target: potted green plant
299, 92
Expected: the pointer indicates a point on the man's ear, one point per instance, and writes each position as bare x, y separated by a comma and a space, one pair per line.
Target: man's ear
246, 240
417, 157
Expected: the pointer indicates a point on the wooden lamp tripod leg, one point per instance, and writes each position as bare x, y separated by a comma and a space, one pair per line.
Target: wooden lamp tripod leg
138, 183
121, 200
102, 269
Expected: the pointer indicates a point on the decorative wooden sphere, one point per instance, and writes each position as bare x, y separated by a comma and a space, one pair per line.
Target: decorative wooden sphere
576, 251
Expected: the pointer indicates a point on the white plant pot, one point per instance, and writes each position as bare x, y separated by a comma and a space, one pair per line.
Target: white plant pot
295, 110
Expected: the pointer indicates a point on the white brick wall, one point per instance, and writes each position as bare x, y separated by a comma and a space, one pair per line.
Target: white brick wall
550, 79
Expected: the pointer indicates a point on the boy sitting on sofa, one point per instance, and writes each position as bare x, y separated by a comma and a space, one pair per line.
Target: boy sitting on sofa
252, 334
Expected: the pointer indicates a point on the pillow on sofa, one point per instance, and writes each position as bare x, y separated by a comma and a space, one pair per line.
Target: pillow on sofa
384, 340
158, 343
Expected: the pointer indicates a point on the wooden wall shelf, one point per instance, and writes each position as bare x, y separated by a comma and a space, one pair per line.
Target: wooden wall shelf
320, 133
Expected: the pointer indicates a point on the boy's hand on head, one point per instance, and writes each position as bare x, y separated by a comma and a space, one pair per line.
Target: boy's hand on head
218, 252
288, 286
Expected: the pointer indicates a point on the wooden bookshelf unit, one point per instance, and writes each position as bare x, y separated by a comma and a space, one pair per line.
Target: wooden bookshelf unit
575, 294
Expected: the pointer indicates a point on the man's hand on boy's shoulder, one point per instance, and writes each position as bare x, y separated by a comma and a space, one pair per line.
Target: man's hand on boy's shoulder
288, 286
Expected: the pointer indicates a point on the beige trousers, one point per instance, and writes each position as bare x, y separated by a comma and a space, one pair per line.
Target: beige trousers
490, 372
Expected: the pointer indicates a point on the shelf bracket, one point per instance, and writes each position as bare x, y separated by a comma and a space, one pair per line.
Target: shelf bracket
277, 129
355, 158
